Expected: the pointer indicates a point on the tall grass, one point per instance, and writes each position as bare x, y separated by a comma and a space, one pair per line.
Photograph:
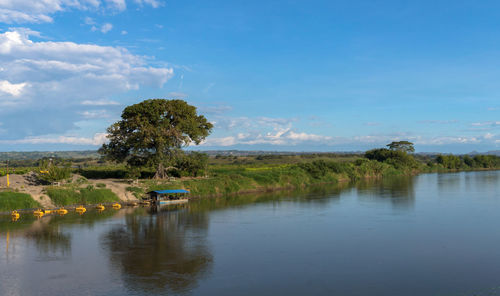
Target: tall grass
15, 200
64, 197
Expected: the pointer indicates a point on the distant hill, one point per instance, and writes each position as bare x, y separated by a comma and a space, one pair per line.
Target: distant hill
493, 152
33, 155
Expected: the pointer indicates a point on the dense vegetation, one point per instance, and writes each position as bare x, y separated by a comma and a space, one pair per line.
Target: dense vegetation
222, 174
80, 196
14, 200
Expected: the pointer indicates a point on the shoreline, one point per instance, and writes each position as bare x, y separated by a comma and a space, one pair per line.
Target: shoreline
337, 179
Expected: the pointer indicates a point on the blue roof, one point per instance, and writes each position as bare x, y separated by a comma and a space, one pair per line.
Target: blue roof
171, 191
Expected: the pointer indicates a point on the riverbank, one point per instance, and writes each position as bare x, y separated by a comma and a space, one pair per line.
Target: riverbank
233, 178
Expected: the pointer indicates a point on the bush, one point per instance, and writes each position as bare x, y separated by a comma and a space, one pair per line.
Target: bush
49, 173
193, 164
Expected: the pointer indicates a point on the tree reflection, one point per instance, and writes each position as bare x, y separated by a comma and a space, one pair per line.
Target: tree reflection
164, 251
161, 252
399, 190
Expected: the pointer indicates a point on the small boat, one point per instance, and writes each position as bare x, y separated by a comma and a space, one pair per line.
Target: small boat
80, 209
15, 215
38, 213
116, 206
100, 207
62, 211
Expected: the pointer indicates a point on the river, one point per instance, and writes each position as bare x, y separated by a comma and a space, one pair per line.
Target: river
432, 234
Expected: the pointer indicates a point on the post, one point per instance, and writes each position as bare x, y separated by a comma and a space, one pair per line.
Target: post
8, 183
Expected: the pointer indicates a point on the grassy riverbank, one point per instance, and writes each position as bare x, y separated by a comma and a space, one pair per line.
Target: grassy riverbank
225, 175
275, 173
14, 200
80, 196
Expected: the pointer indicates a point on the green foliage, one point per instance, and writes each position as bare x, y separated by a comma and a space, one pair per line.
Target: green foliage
138, 192
193, 164
100, 185
106, 172
487, 161
13, 200
151, 133
449, 161
404, 146
49, 172
397, 158
454, 162
64, 197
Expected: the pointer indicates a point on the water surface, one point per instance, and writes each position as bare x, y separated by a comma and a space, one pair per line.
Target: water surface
433, 234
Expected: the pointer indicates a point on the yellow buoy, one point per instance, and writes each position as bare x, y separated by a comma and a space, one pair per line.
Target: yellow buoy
117, 206
62, 211
38, 213
47, 211
80, 210
15, 215
100, 207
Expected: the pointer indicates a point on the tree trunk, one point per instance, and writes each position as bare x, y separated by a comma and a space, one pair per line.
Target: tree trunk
162, 172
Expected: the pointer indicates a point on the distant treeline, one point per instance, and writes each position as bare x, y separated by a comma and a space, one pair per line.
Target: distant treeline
455, 162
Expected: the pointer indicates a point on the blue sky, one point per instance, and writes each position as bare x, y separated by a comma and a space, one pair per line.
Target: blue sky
271, 75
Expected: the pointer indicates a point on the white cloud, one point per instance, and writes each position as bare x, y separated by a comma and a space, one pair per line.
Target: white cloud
177, 95
14, 89
438, 121
97, 140
118, 5
106, 28
30, 11
41, 11
486, 123
153, 3
89, 21
92, 114
124, 32
99, 103
57, 78
281, 132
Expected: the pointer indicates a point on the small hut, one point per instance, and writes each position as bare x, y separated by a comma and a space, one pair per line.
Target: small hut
159, 196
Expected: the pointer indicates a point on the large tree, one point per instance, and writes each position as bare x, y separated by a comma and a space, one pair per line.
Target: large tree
152, 133
401, 146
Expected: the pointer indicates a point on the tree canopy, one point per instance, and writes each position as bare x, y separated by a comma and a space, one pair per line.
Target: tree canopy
153, 132
402, 146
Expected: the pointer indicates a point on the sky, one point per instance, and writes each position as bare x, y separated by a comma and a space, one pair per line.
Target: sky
271, 75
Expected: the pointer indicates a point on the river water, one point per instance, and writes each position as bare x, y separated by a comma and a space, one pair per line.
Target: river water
433, 234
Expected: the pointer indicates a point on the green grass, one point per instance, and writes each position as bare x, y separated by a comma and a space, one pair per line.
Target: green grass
138, 192
15, 200
64, 197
